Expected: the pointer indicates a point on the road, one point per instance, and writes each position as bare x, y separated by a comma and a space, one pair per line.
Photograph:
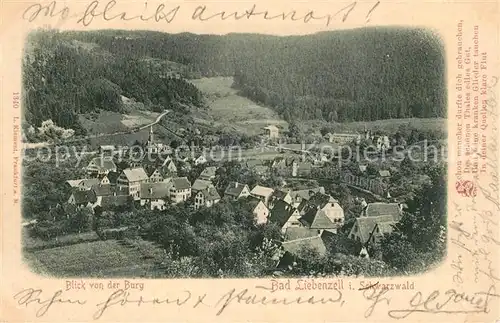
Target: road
46, 144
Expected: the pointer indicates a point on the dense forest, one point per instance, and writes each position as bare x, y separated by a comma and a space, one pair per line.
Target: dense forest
63, 78
361, 74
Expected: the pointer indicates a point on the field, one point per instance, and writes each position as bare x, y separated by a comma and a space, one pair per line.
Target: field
111, 258
107, 122
231, 111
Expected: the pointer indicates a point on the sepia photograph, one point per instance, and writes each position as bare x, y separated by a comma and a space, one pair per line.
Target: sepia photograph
157, 155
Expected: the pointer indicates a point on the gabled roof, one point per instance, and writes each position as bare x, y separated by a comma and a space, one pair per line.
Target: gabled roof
385, 227
294, 233
210, 194
363, 168
106, 163
384, 173
366, 225
262, 191
201, 184
158, 190
317, 219
296, 246
281, 212
252, 202
107, 189
135, 174
279, 194
380, 208
320, 199
234, 189
307, 193
84, 182
112, 176
181, 183
83, 197
208, 172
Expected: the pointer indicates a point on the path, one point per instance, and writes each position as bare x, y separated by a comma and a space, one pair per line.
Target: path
46, 144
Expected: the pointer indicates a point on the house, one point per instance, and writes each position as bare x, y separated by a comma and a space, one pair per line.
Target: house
284, 216
384, 173
200, 160
301, 169
132, 178
84, 184
112, 177
271, 132
180, 190
108, 189
82, 198
162, 173
101, 165
343, 138
296, 249
263, 193
208, 173
301, 195
295, 233
362, 168
155, 195
379, 230
206, 197
200, 185
279, 163
322, 212
380, 208
259, 210
102, 192
363, 227
280, 195
237, 190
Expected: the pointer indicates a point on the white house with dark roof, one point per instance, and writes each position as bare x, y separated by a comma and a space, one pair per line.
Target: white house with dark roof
322, 212
155, 195
285, 216
101, 165
236, 190
263, 193
206, 197
180, 190
280, 195
259, 210
132, 178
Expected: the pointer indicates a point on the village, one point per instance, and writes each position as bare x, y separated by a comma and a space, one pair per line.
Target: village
305, 217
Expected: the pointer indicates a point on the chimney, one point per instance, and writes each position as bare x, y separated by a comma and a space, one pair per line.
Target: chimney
236, 184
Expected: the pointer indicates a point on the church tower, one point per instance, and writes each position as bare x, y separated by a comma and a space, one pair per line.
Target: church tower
150, 145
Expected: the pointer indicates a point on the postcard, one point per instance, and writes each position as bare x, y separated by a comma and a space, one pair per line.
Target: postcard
267, 161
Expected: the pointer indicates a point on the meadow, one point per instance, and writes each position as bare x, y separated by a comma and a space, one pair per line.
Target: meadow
233, 112
110, 258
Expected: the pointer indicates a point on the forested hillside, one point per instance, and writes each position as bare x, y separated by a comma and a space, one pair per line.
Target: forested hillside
349, 75
63, 77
